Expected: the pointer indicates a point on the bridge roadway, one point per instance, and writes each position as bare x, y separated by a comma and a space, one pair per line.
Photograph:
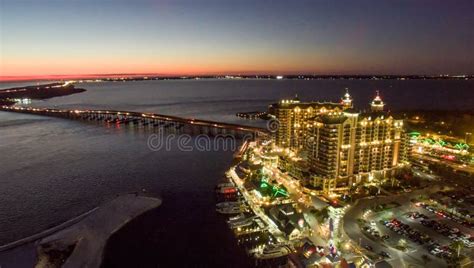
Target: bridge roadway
194, 126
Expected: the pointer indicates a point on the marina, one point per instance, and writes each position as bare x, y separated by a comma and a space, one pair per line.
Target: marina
111, 173
254, 231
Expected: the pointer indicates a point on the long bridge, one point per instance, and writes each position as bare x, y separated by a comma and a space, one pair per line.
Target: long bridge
150, 120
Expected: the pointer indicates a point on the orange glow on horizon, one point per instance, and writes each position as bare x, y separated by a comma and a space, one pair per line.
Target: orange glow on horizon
21, 67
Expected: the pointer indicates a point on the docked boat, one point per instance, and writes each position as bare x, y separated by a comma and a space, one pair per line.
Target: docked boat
241, 219
229, 204
273, 251
225, 184
237, 217
242, 223
226, 190
231, 210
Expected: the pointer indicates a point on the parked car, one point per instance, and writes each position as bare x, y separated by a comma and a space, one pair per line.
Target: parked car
384, 254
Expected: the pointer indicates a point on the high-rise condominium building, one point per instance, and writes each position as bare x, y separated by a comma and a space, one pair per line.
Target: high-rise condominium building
342, 146
295, 120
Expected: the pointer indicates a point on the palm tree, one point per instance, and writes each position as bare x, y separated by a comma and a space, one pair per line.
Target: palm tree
457, 246
325, 213
322, 215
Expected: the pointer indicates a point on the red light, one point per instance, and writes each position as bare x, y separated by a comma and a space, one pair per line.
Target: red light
449, 157
230, 190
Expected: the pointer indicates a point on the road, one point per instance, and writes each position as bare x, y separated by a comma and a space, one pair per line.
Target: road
456, 166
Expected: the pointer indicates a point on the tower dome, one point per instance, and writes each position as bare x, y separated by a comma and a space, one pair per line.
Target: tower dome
377, 104
296, 99
346, 101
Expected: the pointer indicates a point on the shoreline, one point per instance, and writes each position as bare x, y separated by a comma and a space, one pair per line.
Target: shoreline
81, 241
83, 244
45, 233
38, 92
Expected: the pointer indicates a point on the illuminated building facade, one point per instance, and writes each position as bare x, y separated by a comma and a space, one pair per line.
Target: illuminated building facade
295, 119
345, 147
346, 101
377, 104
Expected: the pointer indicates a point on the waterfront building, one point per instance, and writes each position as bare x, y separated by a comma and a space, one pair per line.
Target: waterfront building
295, 167
346, 101
289, 221
295, 117
377, 104
343, 146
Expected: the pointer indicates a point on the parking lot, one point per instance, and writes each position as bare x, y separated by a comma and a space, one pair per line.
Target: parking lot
414, 228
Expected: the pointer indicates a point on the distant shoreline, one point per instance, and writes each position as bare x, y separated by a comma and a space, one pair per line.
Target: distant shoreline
39, 92
140, 77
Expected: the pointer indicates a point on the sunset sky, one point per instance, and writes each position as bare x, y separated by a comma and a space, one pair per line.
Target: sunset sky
70, 37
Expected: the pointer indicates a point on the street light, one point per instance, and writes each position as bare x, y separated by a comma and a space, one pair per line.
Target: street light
347, 246
465, 138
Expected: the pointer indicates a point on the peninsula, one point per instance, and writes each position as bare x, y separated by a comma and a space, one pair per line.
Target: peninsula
13, 95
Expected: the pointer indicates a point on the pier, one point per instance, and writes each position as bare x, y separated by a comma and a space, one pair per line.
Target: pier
147, 120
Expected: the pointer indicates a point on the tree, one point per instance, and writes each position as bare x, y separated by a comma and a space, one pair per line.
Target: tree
402, 243
457, 246
322, 215
425, 258
325, 213
373, 190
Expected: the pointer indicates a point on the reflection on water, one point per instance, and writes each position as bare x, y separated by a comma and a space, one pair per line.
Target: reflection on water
53, 169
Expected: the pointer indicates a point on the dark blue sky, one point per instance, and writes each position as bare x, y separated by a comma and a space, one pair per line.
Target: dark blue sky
183, 37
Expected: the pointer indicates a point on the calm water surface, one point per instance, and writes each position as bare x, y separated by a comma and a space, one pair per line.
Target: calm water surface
54, 169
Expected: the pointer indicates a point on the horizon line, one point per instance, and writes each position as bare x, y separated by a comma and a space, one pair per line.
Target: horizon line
13, 78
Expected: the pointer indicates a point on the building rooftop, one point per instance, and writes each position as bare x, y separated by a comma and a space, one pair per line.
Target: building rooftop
331, 119
303, 105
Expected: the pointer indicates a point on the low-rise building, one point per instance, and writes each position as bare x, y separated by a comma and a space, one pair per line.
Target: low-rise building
289, 221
